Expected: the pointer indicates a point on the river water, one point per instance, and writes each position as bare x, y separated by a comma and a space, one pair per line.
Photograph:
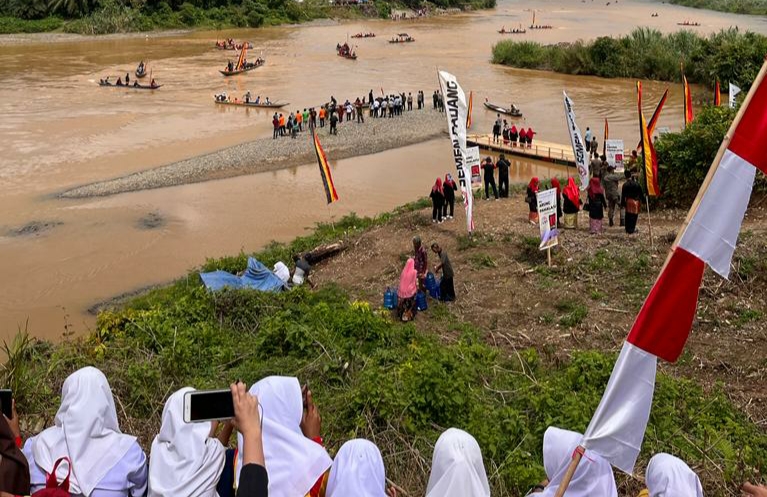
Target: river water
58, 130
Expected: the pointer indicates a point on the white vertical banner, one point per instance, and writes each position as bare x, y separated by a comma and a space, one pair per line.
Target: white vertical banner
473, 165
456, 110
734, 90
576, 139
547, 218
614, 152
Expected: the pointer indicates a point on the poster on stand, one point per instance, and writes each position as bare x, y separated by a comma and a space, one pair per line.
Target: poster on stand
614, 151
547, 218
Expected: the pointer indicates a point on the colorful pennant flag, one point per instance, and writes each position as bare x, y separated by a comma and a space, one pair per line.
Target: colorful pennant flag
708, 237
688, 116
717, 94
607, 137
653, 122
471, 106
327, 178
649, 158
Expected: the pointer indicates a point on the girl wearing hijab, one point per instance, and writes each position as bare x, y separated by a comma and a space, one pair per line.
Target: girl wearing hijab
296, 460
448, 189
358, 470
529, 135
14, 469
437, 201
408, 286
555, 184
571, 204
522, 137
513, 134
669, 476
594, 476
596, 205
532, 200
185, 461
457, 469
104, 461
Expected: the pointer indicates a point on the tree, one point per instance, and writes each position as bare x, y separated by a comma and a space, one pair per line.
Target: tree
73, 8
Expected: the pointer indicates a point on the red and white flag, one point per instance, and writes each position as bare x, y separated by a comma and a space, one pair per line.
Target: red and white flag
708, 237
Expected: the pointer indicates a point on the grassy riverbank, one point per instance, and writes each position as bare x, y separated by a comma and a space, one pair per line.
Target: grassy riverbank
114, 16
526, 346
730, 56
752, 7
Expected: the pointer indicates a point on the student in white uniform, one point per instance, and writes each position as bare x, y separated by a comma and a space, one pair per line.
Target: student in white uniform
457, 469
105, 462
357, 470
669, 476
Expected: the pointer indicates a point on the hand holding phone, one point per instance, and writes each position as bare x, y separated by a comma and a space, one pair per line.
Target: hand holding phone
210, 405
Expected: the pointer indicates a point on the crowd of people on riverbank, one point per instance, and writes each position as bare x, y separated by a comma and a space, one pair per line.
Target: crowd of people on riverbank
279, 452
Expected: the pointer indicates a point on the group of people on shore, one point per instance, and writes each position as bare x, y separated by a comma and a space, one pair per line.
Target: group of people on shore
510, 135
280, 452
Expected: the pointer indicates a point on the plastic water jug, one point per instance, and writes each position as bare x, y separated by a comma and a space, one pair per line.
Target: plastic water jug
430, 282
434, 291
390, 299
420, 301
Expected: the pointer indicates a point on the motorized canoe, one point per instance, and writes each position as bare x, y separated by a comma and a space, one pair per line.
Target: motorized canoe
365, 35
512, 31
503, 110
240, 71
352, 56
273, 105
131, 86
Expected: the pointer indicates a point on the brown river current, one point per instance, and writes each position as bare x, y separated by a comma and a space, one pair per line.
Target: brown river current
59, 129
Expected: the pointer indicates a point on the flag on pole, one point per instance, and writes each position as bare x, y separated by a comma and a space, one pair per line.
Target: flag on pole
688, 116
649, 158
456, 113
607, 136
327, 179
708, 237
471, 106
734, 90
576, 139
717, 94
653, 122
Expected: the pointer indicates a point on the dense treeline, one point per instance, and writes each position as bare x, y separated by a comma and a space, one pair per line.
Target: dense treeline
729, 56
753, 7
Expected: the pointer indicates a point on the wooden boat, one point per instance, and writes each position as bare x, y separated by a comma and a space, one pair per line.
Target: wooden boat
539, 26
402, 40
273, 105
514, 31
224, 46
241, 66
688, 23
244, 69
503, 110
346, 54
363, 35
130, 87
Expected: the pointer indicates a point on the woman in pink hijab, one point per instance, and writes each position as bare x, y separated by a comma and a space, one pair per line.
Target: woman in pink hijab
408, 286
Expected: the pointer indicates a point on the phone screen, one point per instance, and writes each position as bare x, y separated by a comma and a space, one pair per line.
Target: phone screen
6, 403
209, 405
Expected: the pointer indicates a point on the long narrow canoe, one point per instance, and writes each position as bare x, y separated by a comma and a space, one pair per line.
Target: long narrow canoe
404, 40
274, 105
512, 31
131, 86
240, 71
503, 110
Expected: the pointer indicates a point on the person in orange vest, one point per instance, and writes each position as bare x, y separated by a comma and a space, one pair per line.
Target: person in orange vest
299, 120
282, 125
322, 116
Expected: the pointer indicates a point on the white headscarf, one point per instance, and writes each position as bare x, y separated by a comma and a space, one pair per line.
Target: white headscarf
358, 471
185, 461
594, 476
669, 476
85, 430
457, 469
294, 463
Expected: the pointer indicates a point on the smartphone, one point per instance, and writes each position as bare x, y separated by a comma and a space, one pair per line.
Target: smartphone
6, 403
210, 405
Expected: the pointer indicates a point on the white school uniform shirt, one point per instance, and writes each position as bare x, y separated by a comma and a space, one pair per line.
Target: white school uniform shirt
594, 476
105, 462
457, 469
669, 476
358, 470
294, 463
185, 461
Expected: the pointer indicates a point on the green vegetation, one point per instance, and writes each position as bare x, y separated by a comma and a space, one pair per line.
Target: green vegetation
729, 56
753, 7
375, 377
119, 16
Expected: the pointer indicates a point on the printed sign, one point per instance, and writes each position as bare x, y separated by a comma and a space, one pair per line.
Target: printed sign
473, 161
614, 152
547, 218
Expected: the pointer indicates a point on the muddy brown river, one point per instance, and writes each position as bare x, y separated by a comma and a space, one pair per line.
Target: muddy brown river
59, 129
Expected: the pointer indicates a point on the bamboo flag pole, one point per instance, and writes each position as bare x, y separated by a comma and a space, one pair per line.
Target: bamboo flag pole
706, 182
649, 222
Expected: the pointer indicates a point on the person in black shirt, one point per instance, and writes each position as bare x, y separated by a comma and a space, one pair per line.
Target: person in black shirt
596, 206
503, 176
448, 189
446, 287
489, 169
631, 201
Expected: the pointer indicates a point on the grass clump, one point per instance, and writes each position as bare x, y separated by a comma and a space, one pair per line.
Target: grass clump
574, 312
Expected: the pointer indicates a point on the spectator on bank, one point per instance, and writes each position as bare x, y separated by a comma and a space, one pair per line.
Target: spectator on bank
668, 475
457, 469
596, 206
358, 470
610, 183
14, 469
449, 188
571, 204
503, 166
532, 200
437, 201
446, 287
489, 169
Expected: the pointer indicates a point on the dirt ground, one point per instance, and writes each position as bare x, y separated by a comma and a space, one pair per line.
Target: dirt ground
587, 300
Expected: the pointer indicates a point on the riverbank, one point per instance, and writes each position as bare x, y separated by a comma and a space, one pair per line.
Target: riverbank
267, 154
646, 53
750, 7
521, 334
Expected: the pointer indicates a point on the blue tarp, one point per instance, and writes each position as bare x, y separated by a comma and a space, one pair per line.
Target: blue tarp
257, 276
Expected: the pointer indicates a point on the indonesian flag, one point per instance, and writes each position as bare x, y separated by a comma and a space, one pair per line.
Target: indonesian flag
688, 116
708, 237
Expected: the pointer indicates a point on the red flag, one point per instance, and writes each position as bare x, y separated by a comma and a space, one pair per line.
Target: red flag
717, 94
688, 116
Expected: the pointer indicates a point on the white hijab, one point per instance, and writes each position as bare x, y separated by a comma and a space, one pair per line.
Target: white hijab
358, 471
457, 469
294, 463
85, 430
594, 476
185, 461
669, 476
